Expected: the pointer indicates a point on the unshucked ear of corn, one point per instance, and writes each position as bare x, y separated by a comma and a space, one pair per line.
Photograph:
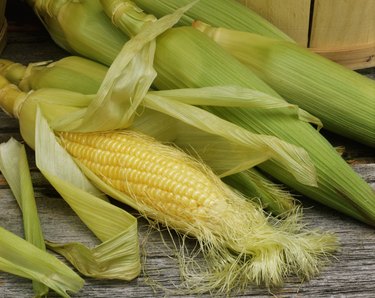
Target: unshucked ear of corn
343, 99
186, 58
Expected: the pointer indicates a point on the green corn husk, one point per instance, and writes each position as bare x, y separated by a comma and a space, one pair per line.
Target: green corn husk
253, 184
223, 13
187, 58
343, 99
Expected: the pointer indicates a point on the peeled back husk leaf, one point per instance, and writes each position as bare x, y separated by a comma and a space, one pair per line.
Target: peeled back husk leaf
118, 256
14, 167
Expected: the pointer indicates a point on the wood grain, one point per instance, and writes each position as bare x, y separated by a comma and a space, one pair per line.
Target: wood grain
343, 23
290, 16
351, 275
346, 30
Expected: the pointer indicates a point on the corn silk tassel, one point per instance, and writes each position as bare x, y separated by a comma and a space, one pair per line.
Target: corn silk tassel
238, 242
186, 58
342, 99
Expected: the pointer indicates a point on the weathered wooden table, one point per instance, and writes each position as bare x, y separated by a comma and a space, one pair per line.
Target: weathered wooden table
351, 275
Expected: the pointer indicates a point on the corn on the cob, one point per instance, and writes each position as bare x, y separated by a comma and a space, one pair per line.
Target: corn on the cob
166, 185
186, 58
343, 99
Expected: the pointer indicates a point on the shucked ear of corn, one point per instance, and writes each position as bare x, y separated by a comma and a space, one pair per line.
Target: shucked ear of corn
187, 58
166, 185
69, 72
343, 99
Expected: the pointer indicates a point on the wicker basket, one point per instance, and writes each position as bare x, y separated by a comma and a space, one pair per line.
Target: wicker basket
342, 30
3, 25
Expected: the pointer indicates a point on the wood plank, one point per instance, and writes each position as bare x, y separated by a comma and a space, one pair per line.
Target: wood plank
342, 27
290, 16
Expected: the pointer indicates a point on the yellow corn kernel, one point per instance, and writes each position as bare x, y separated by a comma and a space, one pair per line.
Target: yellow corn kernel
156, 176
